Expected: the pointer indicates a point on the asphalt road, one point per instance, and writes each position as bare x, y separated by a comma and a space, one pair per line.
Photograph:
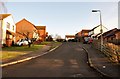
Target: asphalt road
69, 60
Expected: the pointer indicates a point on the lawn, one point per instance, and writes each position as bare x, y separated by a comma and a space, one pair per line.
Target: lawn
8, 55
12, 52
46, 43
22, 48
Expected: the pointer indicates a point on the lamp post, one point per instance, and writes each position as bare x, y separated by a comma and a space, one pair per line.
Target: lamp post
101, 30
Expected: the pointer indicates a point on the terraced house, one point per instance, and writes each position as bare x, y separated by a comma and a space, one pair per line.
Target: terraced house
8, 29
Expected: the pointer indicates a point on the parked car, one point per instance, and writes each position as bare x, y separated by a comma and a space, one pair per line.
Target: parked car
72, 40
90, 40
23, 42
64, 40
85, 41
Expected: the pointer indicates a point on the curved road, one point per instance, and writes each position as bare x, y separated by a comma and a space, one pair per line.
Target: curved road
69, 60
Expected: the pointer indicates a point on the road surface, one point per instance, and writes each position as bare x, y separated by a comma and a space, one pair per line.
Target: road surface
69, 60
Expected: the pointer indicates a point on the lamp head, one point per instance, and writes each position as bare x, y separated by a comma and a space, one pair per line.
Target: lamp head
95, 10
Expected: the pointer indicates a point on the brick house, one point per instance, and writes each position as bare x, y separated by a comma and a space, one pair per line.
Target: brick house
26, 29
78, 36
42, 32
111, 35
85, 33
117, 34
8, 29
67, 37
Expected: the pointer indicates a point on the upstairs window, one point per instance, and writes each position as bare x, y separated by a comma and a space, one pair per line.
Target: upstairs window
13, 27
8, 25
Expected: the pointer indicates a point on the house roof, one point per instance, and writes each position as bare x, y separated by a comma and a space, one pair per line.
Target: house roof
85, 30
109, 31
96, 27
40, 27
9, 32
2, 16
79, 33
112, 33
27, 21
70, 36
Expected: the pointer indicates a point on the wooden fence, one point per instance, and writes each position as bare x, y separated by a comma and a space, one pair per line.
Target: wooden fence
111, 50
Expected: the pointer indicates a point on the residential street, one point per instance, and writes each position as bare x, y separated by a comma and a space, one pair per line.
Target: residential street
69, 60
59, 39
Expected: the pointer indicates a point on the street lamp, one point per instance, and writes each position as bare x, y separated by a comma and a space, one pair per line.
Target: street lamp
101, 30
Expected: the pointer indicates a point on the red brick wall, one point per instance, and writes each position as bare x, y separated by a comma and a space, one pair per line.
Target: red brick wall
84, 33
117, 35
79, 34
25, 27
42, 34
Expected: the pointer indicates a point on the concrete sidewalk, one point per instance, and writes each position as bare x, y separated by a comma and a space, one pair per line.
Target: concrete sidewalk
101, 63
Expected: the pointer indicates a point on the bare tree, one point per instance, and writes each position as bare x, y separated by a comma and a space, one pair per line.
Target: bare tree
49, 38
27, 34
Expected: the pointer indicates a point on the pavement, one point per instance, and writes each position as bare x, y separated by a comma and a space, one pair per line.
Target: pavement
46, 49
100, 62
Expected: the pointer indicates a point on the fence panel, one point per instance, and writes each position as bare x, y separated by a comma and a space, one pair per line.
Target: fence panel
111, 50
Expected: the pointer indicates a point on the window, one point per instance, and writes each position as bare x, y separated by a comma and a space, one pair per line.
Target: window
8, 25
13, 27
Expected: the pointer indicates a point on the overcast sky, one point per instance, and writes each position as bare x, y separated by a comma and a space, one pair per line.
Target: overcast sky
65, 17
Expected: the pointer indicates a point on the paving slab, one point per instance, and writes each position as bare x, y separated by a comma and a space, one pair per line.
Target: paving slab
101, 62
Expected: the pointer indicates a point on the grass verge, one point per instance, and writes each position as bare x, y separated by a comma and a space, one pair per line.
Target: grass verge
46, 43
54, 44
13, 52
8, 55
22, 48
